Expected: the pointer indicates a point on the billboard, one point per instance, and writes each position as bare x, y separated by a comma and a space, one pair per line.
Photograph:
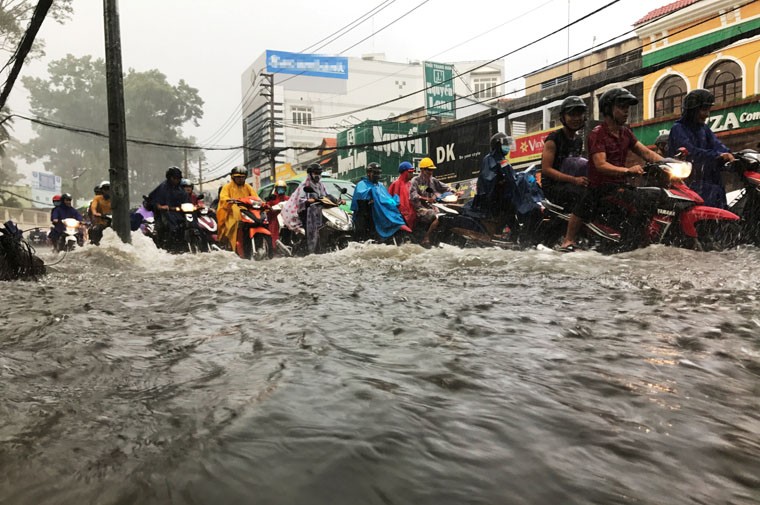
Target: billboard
353, 161
46, 181
439, 92
458, 151
529, 147
312, 65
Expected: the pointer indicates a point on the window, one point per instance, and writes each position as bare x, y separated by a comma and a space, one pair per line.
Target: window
556, 81
301, 115
622, 59
485, 87
669, 96
724, 80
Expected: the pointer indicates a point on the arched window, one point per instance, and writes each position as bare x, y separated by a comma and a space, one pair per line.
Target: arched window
724, 80
669, 96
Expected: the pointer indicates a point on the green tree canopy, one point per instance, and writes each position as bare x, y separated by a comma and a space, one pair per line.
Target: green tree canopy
14, 19
75, 95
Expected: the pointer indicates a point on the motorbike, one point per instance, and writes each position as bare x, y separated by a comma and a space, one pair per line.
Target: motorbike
71, 237
17, 256
254, 240
746, 203
205, 223
334, 232
144, 220
678, 218
512, 228
95, 232
365, 228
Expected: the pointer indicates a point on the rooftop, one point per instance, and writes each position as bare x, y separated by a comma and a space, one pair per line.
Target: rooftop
665, 10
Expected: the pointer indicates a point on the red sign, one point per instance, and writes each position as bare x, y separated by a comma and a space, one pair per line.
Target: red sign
529, 147
257, 171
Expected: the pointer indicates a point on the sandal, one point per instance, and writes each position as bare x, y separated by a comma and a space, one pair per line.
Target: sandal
567, 249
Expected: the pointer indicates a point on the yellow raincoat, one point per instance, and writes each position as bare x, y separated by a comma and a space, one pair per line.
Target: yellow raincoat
228, 214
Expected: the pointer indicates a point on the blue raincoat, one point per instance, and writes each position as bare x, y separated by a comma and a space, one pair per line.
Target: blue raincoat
385, 213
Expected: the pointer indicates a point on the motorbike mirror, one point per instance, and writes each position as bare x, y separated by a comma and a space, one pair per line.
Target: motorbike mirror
457, 186
201, 196
343, 191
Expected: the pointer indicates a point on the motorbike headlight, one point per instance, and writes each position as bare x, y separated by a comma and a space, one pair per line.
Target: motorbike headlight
679, 169
337, 223
187, 207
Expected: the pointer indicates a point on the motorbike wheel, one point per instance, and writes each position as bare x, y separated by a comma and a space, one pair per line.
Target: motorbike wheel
262, 247
193, 242
715, 235
401, 237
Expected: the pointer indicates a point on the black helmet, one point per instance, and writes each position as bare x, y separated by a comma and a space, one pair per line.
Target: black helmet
498, 139
66, 196
239, 171
615, 96
314, 168
374, 167
174, 172
697, 99
570, 103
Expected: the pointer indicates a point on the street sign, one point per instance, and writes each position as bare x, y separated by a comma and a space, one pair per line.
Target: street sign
439, 92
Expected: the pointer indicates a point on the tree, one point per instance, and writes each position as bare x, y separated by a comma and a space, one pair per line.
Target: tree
15, 16
75, 95
8, 174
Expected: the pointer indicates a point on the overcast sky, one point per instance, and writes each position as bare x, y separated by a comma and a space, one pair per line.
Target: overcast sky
209, 43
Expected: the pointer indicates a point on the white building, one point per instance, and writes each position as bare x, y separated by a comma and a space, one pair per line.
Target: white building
316, 96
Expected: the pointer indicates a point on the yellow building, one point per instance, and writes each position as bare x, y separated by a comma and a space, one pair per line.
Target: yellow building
726, 61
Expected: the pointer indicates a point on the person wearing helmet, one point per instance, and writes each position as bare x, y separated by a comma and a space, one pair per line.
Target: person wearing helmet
64, 211
373, 207
164, 202
496, 187
707, 154
100, 210
563, 181
297, 213
661, 144
187, 187
401, 187
278, 196
608, 146
227, 213
423, 191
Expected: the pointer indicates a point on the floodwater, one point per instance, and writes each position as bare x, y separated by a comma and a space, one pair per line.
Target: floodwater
382, 375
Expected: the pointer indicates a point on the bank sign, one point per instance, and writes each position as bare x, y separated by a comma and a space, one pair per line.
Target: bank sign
529, 147
313, 65
439, 92
353, 161
742, 116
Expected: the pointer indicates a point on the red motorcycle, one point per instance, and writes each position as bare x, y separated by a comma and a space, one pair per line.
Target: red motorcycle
747, 203
679, 217
254, 240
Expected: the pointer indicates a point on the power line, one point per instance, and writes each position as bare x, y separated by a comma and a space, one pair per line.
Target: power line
386, 26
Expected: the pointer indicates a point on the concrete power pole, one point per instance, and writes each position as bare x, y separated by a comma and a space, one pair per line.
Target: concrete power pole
117, 127
268, 84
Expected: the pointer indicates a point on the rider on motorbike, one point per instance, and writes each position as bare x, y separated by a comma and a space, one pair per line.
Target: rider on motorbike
423, 192
706, 153
99, 208
559, 185
227, 213
187, 187
298, 213
278, 196
608, 146
401, 187
373, 207
64, 211
164, 202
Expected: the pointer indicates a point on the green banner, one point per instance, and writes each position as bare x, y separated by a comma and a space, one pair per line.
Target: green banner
741, 116
439, 95
353, 161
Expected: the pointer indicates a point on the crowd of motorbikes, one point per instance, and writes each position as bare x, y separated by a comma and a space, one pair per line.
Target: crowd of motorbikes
679, 218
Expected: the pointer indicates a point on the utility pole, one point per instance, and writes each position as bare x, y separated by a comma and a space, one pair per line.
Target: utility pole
200, 175
268, 84
186, 172
117, 127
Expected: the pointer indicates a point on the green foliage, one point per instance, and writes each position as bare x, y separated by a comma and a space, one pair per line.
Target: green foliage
75, 95
8, 174
14, 19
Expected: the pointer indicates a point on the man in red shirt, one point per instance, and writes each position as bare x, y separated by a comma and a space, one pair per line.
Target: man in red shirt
402, 187
608, 146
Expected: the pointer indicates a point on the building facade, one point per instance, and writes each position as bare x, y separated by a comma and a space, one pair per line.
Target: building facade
293, 100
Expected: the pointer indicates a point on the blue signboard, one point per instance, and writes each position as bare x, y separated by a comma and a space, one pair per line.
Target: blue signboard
314, 65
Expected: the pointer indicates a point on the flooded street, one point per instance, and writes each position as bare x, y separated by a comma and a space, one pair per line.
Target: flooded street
382, 375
